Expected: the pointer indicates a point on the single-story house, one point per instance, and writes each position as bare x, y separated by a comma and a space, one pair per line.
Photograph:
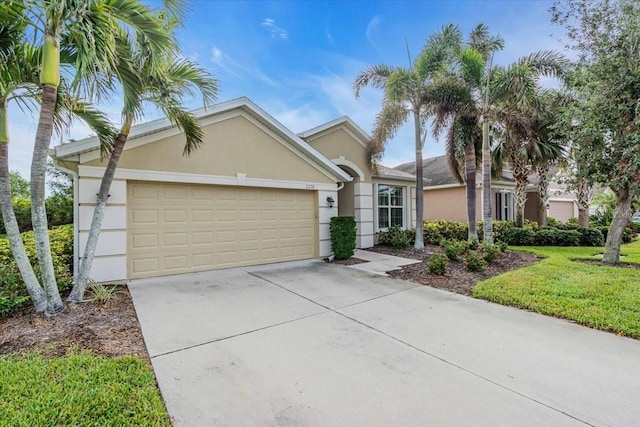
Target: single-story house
253, 193
445, 198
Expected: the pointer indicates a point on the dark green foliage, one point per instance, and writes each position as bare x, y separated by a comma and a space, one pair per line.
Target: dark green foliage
396, 236
518, 236
343, 236
12, 290
499, 228
454, 249
503, 246
557, 237
591, 237
552, 222
59, 209
400, 240
627, 235
437, 264
474, 262
489, 253
435, 231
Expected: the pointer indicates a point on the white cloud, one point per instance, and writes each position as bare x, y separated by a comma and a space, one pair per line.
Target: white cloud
329, 36
371, 28
228, 64
275, 31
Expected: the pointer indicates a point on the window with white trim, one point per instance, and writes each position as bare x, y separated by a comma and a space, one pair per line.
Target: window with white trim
390, 206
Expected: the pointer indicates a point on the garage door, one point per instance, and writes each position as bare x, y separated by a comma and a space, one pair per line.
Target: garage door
560, 210
180, 228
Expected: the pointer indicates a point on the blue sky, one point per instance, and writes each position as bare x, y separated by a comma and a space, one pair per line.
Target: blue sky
297, 60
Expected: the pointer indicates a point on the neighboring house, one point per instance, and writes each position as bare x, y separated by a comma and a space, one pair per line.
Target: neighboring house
253, 193
445, 198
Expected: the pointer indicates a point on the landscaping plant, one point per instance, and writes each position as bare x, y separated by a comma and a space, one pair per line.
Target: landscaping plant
343, 236
437, 264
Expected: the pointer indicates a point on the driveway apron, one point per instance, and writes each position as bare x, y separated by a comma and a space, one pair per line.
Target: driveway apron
315, 344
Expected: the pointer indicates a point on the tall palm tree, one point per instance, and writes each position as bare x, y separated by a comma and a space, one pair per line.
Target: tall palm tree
405, 96
458, 103
160, 79
89, 28
19, 84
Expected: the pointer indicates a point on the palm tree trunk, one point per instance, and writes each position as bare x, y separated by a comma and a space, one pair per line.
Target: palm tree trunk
77, 293
38, 211
419, 242
618, 224
487, 219
36, 293
543, 194
583, 194
520, 195
470, 171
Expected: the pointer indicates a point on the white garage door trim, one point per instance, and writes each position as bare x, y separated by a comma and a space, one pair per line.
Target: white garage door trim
180, 228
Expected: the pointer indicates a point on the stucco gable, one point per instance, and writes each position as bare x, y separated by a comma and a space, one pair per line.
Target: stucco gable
239, 138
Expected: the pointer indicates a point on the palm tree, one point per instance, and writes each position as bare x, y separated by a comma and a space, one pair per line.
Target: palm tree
404, 96
529, 145
458, 102
162, 80
19, 84
89, 28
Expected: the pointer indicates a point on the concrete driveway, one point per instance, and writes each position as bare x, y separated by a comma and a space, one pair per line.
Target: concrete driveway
313, 344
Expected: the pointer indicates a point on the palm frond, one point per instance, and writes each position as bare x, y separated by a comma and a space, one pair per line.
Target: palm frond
545, 63
402, 86
453, 153
375, 76
392, 116
481, 40
439, 49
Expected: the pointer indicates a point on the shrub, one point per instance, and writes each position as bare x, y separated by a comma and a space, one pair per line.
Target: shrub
59, 209
343, 236
591, 237
602, 216
557, 237
437, 264
435, 231
518, 236
12, 288
474, 263
454, 249
400, 240
552, 222
573, 221
503, 246
489, 253
395, 236
627, 234
499, 228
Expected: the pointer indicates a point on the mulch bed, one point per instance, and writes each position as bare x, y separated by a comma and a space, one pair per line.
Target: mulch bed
602, 264
107, 329
457, 278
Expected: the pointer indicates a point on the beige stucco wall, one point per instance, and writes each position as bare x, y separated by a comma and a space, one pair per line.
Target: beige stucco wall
339, 142
346, 200
450, 204
232, 146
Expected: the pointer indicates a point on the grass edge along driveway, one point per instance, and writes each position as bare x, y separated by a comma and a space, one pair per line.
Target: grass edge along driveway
605, 298
79, 390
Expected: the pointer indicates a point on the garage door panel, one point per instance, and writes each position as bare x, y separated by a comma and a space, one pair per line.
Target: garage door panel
179, 228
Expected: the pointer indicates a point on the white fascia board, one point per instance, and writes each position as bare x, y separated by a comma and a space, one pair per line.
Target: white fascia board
346, 120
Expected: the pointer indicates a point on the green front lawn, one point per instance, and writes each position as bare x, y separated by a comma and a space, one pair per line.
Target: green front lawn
79, 390
606, 298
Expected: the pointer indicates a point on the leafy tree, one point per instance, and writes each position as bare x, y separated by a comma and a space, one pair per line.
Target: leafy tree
405, 96
607, 36
82, 32
19, 185
163, 79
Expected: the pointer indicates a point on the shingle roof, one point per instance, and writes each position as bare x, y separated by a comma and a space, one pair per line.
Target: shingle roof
385, 172
436, 171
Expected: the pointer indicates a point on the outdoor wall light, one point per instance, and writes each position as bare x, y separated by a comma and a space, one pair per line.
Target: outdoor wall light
330, 201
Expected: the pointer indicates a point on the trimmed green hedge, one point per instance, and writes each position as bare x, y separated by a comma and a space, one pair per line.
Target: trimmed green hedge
12, 290
343, 236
